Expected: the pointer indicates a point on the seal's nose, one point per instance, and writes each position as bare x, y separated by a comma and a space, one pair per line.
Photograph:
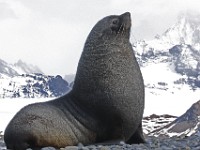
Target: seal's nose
127, 14
126, 19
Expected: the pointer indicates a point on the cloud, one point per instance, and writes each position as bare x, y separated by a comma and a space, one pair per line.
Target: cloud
5, 11
50, 43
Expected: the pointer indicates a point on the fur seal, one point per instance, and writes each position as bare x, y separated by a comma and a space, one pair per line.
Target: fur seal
105, 104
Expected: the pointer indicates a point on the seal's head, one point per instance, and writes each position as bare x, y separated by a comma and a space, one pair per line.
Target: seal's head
108, 39
112, 28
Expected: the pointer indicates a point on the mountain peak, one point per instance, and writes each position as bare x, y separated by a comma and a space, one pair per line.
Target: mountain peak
27, 68
18, 68
185, 31
7, 69
189, 17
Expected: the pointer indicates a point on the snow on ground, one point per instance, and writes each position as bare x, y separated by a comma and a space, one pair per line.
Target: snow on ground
167, 98
168, 103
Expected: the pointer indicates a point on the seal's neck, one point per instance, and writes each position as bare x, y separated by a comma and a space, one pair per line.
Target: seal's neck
101, 60
101, 71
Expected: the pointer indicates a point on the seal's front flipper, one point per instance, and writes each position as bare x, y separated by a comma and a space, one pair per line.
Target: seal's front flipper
137, 137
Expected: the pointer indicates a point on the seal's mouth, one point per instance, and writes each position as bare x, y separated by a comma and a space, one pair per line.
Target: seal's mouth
125, 23
126, 20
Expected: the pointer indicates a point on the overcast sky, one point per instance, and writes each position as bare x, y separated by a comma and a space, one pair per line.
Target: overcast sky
51, 33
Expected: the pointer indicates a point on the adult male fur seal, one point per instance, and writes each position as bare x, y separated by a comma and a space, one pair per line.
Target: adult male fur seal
106, 103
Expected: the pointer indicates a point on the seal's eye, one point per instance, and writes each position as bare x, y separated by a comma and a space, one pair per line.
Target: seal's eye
114, 24
115, 21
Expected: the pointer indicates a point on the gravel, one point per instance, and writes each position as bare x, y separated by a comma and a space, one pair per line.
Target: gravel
153, 143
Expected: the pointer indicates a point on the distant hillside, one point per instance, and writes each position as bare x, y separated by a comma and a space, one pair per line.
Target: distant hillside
28, 81
32, 86
18, 68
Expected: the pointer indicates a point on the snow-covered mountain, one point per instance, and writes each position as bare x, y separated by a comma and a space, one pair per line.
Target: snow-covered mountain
18, 68
32, 86
185, 125
170, 64
24, 68
28, 81
177, 50
185, 31
155, 122
6, 69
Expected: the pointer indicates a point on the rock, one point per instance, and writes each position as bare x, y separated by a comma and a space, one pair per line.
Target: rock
104, 148
70, 148
48, 148
91, 147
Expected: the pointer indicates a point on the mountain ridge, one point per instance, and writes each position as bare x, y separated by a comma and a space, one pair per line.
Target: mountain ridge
170, 63
181, 54
27, 68
28, 81
186, 125
17, 68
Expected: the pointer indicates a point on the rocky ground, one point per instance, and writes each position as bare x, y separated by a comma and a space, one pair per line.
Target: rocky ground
153, 143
